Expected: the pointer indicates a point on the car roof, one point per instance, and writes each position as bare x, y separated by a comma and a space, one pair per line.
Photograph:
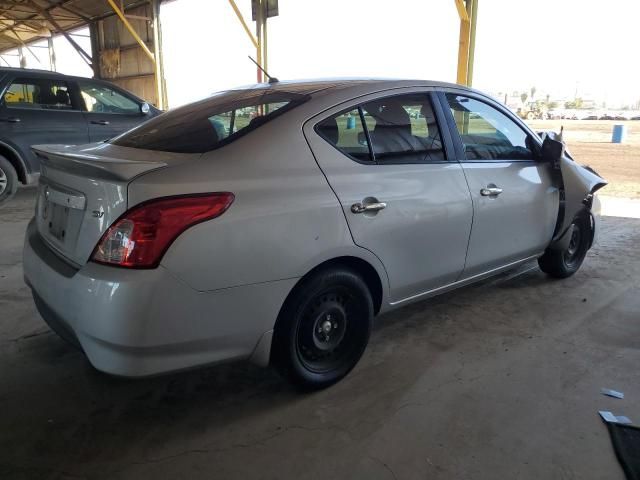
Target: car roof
344, 88
314, 85
36, 71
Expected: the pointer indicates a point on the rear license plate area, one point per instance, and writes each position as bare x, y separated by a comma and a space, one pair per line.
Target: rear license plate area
58, 217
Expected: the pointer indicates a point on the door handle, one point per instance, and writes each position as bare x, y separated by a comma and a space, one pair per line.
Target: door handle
11, 120
367, 207
490, 191
100, 122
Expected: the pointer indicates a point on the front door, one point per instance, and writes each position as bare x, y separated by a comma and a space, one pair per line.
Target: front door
109, 112
515, 202
403, 198
40, 110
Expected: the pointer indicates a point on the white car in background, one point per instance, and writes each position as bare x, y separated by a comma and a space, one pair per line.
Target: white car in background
273, 223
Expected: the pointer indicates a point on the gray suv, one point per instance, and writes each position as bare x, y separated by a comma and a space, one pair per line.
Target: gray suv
47, 107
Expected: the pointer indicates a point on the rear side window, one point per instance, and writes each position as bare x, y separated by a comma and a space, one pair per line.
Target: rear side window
487, 133
396, 130
403, 129
38, 93
345, 132
211, 123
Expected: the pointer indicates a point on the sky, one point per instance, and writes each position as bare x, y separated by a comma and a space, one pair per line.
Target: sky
558, 46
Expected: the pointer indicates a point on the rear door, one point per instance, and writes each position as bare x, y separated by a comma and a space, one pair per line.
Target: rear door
109, 111
404, 200
515, 201
40, 110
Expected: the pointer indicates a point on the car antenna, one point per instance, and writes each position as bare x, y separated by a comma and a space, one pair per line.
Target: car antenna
271, 79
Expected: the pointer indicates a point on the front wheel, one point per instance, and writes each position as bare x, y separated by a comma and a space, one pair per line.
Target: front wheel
564, 263
323, 328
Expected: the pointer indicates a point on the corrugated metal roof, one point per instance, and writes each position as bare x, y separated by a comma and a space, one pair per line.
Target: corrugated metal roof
25, 21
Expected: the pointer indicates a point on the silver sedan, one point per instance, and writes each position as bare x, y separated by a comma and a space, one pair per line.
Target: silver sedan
275, 222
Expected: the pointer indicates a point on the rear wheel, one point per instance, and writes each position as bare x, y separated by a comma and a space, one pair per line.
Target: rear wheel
323, 328
564, 263
8, 180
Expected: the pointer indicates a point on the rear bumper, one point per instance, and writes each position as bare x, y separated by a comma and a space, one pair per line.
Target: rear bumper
144, 322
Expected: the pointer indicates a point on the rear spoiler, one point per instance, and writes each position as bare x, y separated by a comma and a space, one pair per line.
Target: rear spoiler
61, 157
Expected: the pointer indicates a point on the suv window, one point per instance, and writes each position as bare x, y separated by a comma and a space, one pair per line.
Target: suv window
38, 93
345, 132
211, 123
102, 99
487, 133
403, 129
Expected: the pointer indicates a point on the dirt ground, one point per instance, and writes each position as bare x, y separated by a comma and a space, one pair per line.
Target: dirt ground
589, 141
500, 380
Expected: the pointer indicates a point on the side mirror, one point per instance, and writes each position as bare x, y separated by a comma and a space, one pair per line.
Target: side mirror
552, 149
145, 108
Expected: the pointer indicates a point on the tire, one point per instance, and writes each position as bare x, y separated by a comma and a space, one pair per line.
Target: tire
564, 263
323, 328
531, 116
8, 180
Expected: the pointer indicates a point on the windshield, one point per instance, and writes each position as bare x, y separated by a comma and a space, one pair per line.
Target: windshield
211, 123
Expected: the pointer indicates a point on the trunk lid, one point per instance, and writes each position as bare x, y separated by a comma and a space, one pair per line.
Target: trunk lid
83, 190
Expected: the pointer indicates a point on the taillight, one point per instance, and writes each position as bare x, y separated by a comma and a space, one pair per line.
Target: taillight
143, 234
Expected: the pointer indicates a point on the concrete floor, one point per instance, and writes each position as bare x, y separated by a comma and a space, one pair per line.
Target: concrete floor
498, 380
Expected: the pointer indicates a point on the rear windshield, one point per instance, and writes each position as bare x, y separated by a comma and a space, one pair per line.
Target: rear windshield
211, 123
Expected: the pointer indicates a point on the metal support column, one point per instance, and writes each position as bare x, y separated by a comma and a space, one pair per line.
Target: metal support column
132, 30
52, 54
94, 34
23, 59
259, 24
467, 11
159, 60
263, 41
260, 39
472, 11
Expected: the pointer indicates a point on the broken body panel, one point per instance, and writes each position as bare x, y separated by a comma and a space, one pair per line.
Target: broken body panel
577, 184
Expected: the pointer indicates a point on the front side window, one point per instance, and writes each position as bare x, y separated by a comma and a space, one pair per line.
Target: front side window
102, 99
37, 93
487, 133
211, 123
400, 129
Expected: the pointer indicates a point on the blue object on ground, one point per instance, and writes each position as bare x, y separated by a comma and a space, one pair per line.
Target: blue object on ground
351, 123
619, 133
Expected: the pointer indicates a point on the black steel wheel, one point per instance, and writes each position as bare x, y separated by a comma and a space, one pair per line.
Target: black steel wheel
564, 263
323, 328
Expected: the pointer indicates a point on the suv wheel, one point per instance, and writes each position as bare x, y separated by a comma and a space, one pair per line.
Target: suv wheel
8, 180
323, 328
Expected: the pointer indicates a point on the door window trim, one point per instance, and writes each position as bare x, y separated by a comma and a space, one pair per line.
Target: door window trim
457, 140
430, 95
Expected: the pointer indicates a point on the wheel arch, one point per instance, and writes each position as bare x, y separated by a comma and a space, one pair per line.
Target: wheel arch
14, 159
362, 267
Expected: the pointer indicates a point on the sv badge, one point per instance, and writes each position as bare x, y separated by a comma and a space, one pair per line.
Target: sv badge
97, 213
